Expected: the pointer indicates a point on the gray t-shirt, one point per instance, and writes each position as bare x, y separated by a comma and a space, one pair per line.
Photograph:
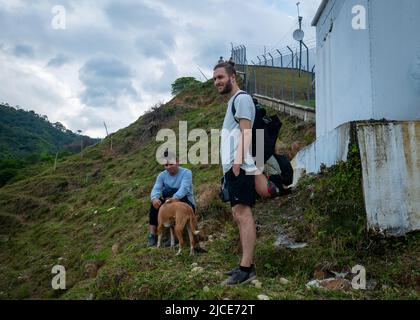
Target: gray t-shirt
245, 109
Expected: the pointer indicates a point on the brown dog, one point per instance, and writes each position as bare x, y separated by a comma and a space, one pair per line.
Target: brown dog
175, 212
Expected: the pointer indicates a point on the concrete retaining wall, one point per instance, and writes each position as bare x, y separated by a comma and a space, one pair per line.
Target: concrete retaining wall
305, 113
328, 150
390, 156
391, 175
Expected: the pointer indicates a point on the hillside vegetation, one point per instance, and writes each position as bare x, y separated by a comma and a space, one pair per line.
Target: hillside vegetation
91, 216
27, 138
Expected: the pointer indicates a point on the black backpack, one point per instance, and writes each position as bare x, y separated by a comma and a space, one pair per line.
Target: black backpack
286, 169
270, 124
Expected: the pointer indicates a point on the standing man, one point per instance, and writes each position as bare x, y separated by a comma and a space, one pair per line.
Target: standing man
241, 174
173, 182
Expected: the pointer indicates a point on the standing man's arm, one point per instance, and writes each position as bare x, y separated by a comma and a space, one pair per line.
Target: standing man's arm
245, 140
244, 114
186, 185
156, 191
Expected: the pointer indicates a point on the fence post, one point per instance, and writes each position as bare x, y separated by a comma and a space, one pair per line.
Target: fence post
266, 83
280, 71
272, 81
293, 57
272, 74
307, 56
272, 59
281, 58
255, 82
307, 68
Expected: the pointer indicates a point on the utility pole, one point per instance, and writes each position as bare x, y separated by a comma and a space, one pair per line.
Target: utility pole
81, 142
202, 73
55, 161
300, 42
106, 129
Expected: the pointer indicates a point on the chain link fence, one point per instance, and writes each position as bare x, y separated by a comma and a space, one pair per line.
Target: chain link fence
283, 77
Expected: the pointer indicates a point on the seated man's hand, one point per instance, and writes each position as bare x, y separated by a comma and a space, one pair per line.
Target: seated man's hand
156, 203
170, 200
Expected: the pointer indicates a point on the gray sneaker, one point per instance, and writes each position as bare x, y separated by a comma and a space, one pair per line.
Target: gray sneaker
234, 270
240, 277
152, 240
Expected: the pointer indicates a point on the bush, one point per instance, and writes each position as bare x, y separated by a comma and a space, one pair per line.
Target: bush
6, 175
182, 83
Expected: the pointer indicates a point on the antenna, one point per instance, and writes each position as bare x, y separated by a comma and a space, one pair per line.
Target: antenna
298, 34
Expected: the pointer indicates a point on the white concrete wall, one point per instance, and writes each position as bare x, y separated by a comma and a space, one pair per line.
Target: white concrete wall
395, 40
328, 150
390, 154
372, 73
343, 79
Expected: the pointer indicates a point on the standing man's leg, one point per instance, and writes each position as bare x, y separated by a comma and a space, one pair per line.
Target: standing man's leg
247, 232
264, 187
242, 198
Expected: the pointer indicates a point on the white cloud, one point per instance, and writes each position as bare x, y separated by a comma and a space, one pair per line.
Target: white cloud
53, 71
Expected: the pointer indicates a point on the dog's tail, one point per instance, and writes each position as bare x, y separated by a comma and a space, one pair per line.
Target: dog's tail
193, 223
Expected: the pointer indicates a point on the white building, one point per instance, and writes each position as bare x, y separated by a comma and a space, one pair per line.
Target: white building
368, 68
370, 73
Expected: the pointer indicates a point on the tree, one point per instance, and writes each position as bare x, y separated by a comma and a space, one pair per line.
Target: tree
59, 126
182, 83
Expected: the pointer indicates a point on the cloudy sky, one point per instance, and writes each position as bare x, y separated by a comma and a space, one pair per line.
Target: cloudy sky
112, 60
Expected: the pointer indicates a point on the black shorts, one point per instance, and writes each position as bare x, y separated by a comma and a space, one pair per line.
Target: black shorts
241, 188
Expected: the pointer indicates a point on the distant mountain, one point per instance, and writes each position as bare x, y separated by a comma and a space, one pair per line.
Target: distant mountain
27, 138
24, 133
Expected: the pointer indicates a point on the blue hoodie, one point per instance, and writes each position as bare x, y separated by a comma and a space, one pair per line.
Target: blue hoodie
181, 181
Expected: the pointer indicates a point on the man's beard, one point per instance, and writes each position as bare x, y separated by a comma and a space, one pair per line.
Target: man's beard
227, 88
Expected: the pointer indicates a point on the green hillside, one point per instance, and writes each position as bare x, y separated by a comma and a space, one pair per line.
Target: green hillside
27, 138
91, 216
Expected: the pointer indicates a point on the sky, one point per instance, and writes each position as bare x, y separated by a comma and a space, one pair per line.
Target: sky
84, 62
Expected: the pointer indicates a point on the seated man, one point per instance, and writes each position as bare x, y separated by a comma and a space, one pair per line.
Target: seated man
173, 182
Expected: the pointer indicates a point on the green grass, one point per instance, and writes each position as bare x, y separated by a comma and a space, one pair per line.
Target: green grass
307, 103
64, 217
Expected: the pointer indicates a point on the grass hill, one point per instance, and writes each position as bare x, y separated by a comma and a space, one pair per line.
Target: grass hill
27, 138
91, 216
